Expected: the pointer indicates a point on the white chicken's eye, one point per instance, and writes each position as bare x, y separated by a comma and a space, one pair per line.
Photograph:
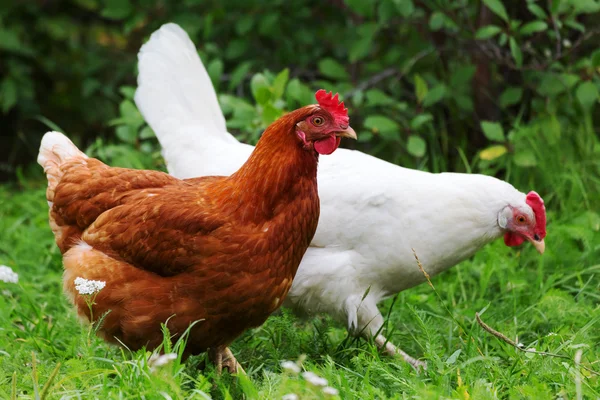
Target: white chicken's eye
521, 219
318, 121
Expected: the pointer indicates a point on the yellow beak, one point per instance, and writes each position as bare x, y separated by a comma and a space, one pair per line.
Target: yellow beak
347, 133
540, 246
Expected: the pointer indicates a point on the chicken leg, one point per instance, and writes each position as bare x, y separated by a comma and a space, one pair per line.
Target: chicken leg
364, 318
389, 349
222, 357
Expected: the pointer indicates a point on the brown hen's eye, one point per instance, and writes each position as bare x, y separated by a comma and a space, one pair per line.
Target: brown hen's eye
521, 219
318, 121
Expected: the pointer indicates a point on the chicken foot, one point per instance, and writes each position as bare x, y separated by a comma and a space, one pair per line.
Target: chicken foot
222, 357
389, 349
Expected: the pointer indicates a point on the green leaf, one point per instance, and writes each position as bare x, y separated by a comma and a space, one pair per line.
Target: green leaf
492, 152
487, 32
362, 7
8, 94
215, 71
386, 11
147, 133
360, 48
453, 357
380, 123
130, 114
436, 94
416, 146
525, 158
571, 23
279, 83
436, 21
332, 69
553, 84
497, 8
510, 96
462, 76
533, 27
127, 91
405, 7
238, 74
376, 97
236, 48
420, 120
493, 131
515, 50
244, 24
587, 94
420, 88
537, 11
365, 136
299, 92
259, 85
270, 114
126, 133
595, 59
464, 102
116, 9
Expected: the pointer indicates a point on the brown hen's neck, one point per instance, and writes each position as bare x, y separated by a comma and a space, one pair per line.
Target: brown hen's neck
279, 169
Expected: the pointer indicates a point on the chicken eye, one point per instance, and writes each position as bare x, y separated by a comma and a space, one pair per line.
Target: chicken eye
521, 219
318, 121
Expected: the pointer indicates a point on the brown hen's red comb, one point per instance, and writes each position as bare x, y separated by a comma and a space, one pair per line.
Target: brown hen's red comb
331, 104
537, 205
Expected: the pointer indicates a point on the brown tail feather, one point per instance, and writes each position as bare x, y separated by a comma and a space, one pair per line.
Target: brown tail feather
55, 150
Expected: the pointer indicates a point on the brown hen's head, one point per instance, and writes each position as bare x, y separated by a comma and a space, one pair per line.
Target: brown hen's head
323, 129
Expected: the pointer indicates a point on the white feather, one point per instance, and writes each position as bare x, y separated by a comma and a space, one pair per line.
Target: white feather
177, 99
373, 213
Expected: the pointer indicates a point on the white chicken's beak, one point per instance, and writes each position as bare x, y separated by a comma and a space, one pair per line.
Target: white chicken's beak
540, 245
347, 133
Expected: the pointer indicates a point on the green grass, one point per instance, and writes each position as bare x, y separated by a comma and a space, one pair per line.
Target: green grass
550, 303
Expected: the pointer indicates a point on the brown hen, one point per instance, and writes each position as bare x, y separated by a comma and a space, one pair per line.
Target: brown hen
219, 250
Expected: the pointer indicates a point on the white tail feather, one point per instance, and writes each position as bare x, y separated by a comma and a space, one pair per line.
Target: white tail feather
175, 94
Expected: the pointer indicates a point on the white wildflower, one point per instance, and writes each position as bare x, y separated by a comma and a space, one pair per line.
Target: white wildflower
158, 360
330, 391
290, 396
314, 379
567, 43
8, 275
86, 286
290, 366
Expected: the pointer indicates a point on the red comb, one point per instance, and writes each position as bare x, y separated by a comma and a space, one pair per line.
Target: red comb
537, 205
331, 104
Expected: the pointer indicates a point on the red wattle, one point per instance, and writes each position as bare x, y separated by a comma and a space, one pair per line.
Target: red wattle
327, 145
512, 239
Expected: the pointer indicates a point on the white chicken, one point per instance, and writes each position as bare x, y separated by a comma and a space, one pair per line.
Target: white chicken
373, 213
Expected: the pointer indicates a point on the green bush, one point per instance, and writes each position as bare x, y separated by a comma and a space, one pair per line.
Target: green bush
509, 88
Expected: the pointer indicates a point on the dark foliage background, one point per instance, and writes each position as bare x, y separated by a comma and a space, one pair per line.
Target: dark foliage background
502, 87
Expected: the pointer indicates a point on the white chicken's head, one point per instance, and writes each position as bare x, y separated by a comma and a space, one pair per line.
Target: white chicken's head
326, 125
525, 222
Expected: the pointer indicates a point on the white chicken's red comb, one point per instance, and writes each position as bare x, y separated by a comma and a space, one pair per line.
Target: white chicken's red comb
332, 105
537, 205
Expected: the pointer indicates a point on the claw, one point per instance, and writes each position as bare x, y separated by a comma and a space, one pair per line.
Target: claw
222, 357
